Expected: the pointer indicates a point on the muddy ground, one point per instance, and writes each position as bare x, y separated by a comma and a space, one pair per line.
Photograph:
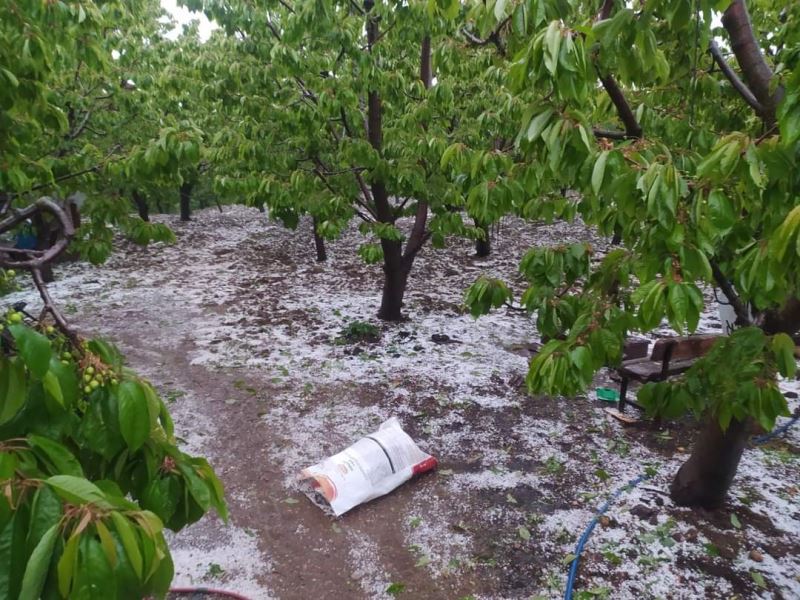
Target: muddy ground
242, 333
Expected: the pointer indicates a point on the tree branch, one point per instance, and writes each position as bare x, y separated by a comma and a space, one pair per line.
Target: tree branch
418, 236
611, 135
605, 10
79, 129
632, 127
35, 259
493, 38
737, 83
755, 69
50, 306
742, 312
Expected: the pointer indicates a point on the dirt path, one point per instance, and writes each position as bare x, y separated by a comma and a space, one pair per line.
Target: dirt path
238, 328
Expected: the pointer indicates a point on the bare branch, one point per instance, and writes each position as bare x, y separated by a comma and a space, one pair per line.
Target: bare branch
742, 313
612, 135
605, 10
286, 6
731, 75
33, 259
632, 127
79, 129
493, 38
50, 306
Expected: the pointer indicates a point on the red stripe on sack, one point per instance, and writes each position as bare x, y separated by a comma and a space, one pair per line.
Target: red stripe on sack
429, 464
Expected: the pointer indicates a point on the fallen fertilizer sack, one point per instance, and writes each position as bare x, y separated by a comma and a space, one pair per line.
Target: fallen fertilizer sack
373, 466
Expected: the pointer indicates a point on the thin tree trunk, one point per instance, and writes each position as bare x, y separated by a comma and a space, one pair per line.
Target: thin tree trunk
319, 243
483, 246
704, 479
186, 198
141, 205
395, 279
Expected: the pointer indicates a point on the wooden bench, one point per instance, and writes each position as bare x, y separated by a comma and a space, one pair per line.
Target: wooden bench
670, 356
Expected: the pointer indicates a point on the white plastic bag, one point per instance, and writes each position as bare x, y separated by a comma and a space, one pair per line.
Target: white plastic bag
373, 466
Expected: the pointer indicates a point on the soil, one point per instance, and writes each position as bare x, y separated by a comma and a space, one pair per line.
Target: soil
237, 325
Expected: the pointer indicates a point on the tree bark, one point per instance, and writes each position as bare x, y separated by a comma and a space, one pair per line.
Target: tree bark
186, 198
483, 246
319, 244
757, 73
704, 479
786, 319
395, 277
141, 205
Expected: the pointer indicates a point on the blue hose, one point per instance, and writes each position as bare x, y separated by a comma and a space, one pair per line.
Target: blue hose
573, 569
762, 439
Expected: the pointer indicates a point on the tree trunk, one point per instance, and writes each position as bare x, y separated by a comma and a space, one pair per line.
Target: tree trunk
395, 277
704, 479
319, 243
141, 205
186, 197
755, 69
43, 242
483, 246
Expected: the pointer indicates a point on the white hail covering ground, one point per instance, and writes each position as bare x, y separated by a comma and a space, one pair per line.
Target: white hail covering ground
194, 280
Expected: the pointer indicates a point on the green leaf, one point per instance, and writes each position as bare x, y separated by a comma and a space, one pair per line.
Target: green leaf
500, 9
134, 414
599, 171
538, 124
67, 563
67, 381
46, 511
38, 565
735, 521
12, 79
784, 234
395, 589
61, 459
107, 542
76, 490
678, 304
129, 542
524, 533
93, 577
53, 387
783, 349
758, 578
33, 347
552, 40
197, 486
13, 389
723, 217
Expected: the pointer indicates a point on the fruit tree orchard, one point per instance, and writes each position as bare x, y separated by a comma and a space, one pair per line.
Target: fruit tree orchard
676, 123
671, 126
